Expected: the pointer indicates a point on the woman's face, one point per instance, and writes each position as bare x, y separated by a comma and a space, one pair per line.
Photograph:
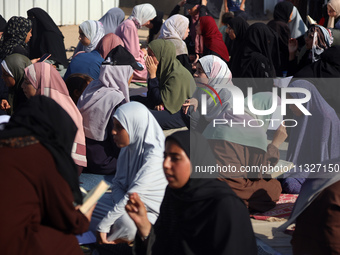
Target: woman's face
176, 165
83, 39
330, 11
120, 135
230, 32
28, 88
290, 17
186, 33
28, 36
200, 72
151, 54
148, 24
8, 79
198, 28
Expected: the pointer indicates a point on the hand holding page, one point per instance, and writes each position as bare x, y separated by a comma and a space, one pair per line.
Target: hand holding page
93, 196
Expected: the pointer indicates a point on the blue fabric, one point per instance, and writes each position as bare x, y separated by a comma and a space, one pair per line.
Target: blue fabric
85, 63
316, 137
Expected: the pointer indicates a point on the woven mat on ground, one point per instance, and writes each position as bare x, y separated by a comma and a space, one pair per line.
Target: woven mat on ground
281, 211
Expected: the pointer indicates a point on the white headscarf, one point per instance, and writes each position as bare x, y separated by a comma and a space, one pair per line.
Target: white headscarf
173, 29
335, 4
99, 99
139, 165
94, 31
297, 26
218, 74
142, 13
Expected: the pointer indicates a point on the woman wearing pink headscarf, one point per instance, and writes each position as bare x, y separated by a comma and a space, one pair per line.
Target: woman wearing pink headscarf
127, 31
43, 79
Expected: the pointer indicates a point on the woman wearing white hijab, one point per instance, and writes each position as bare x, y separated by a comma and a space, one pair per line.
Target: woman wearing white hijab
127, 31
333, 10
176, 30
97, 104
139, 169
90, 33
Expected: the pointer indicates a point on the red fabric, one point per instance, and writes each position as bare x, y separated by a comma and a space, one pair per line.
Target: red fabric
282, 209
212, 37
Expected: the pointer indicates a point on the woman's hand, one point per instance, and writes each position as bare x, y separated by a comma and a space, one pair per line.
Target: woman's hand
279, 136
191, 101
159, 107
88, 214
204, 2
137, 212
151, 66
35, 60
102, 239
4, 105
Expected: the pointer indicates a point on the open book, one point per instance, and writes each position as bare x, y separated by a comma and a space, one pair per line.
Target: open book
93, 196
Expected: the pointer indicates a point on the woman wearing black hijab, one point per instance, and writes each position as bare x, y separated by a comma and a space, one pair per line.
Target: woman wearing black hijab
197, 215
46, 37
282, 14
236, 30
259, 55
155, 26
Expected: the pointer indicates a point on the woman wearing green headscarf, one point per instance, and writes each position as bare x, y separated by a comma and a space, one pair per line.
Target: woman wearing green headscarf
168, 84
240, 146
13, 74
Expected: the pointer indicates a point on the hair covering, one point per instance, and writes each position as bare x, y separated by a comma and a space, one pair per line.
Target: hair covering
94, 31
182, 218
174, 78
139, 165
297, 26
219, 75
142, 13
327, 67
282, 11
48, 82
173, 29
101, 97
16, 64
212, 37
316, 138
157, 23
85, 63
244, 134
44, 119
111, 19
46, 37
322, 40
256, 59
335, 4
15, 35
128, 32
3, 24
240, 26
107, 43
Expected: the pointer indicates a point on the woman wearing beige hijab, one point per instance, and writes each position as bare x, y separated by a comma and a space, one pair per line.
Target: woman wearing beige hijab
333, 10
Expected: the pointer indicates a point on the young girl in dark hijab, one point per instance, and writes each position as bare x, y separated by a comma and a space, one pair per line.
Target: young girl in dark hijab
236, 30
16, 37
46, 37
256, 59
197, 215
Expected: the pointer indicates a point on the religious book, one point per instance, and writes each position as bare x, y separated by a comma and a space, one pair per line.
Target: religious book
280, 168
93, 196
